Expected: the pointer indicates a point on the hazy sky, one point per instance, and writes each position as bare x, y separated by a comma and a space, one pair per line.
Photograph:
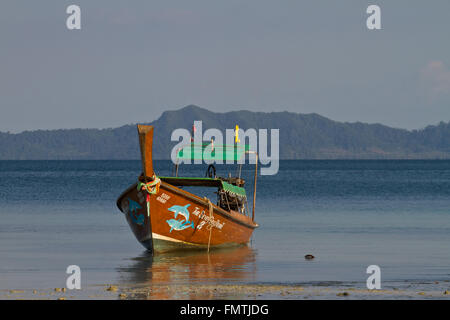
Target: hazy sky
132, 60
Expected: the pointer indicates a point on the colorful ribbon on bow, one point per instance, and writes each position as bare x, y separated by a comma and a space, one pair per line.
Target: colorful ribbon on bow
151, 187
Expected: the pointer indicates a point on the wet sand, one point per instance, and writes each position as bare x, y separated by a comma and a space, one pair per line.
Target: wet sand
431, 290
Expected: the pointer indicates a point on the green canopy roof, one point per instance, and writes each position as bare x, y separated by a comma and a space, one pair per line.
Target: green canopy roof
230, 188
208, 151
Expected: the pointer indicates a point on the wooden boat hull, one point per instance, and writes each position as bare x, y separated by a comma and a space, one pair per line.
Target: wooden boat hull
175, 219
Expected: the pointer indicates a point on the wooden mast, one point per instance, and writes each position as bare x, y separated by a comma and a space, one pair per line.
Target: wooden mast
146, 144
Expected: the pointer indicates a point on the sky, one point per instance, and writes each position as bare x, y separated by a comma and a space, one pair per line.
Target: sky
133, 60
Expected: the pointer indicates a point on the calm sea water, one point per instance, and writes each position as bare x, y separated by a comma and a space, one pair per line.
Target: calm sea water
348, 214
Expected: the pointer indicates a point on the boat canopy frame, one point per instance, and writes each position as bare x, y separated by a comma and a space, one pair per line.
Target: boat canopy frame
213, 152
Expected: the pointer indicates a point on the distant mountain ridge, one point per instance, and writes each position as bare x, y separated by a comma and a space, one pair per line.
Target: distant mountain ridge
302, 136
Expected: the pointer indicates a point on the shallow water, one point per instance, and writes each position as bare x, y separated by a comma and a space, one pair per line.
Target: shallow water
348, 214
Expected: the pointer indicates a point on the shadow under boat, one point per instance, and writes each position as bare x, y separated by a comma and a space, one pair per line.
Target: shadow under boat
236, 264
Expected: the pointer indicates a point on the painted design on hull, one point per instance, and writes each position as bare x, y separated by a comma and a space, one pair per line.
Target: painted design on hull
133, 207
179, 210
180, 224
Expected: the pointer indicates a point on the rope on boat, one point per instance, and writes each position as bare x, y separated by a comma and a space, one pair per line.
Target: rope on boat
210, 207
151, 187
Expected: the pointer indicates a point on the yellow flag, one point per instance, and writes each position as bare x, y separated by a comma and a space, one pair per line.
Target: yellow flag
236, 133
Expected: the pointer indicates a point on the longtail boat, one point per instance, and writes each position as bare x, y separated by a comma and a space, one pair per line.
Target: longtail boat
165, 217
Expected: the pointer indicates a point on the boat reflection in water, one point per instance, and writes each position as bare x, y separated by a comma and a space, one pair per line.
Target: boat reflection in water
187, 274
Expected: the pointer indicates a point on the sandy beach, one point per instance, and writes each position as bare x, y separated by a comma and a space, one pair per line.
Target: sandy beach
421, 291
